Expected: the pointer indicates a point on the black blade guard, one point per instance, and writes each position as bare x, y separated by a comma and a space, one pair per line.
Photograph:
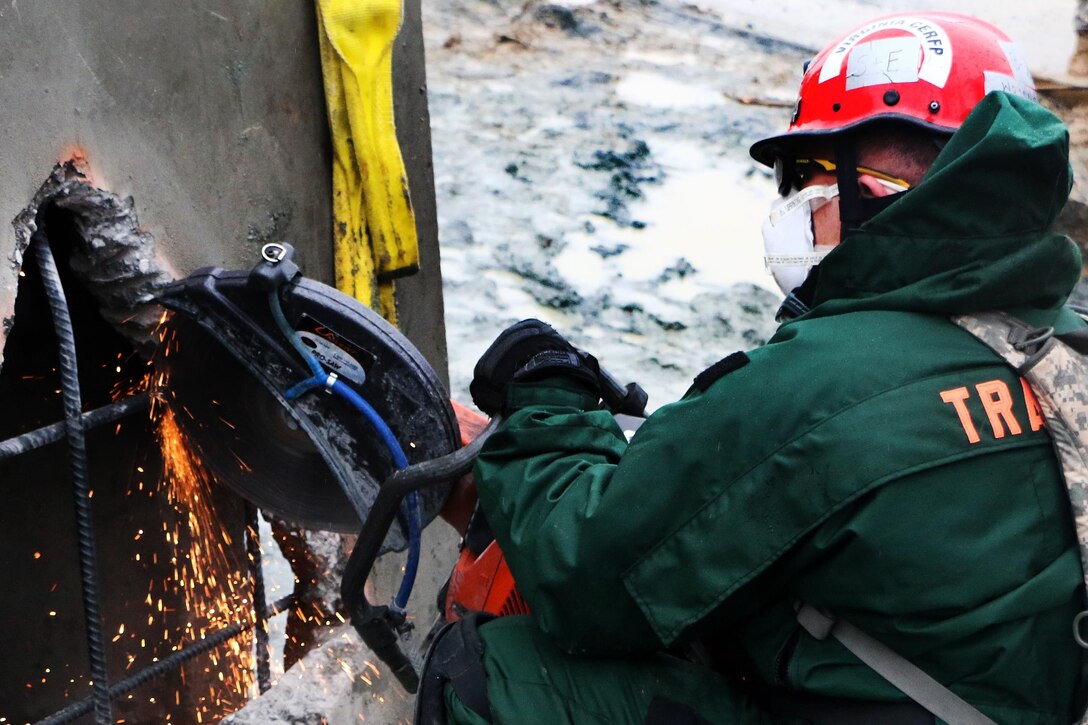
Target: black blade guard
315, 461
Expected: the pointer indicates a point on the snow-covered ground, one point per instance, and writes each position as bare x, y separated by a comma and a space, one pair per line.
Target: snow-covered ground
591, 170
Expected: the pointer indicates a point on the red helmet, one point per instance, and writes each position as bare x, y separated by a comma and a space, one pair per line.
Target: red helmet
928, 69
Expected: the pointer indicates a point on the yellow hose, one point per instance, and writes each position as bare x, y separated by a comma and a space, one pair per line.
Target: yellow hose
374, 229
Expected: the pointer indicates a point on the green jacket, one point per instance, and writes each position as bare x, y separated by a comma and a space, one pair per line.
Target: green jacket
872, 458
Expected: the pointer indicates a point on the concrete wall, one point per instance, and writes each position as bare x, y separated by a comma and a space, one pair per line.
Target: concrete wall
211, 115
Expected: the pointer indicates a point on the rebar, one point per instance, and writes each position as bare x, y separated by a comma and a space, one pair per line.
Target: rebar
91, 419
170, 662
77, 451
260, 602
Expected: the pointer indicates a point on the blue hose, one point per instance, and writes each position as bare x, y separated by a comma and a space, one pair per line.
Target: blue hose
292, 335
320, 379
411, 501
347, 393
317, 381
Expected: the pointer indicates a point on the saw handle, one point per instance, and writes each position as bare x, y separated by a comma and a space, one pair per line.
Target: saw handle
624, 400
379, 625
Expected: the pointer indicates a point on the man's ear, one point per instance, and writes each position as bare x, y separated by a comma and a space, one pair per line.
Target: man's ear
870, 187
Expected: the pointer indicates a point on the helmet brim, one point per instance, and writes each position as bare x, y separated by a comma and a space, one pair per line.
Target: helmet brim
767, 150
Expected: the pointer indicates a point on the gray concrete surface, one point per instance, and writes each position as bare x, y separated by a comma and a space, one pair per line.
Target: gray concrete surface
211, 116
420, 304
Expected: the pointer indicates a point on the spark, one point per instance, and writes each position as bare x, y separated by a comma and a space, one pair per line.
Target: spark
203, 589
213, 592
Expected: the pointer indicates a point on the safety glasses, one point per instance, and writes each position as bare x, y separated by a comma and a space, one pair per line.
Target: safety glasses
791, 174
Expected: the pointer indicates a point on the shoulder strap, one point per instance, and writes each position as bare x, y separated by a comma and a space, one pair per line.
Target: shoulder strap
1058, 376
893, 667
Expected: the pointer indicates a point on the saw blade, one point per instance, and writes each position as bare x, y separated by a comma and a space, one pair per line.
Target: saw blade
315, 460
247, 439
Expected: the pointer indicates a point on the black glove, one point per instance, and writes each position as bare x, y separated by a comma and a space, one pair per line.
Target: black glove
528, 350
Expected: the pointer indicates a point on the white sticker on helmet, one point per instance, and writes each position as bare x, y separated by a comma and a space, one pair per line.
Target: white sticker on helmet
936, 48
1018, 63
1001, 82
891, 60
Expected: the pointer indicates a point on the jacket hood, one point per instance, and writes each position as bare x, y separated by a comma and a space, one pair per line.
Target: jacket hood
974, 234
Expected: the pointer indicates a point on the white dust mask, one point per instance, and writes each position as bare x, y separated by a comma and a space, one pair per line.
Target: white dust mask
789, 242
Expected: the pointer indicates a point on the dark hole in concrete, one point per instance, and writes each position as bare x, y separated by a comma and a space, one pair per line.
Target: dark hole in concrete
43, 631
107, 361
38, 540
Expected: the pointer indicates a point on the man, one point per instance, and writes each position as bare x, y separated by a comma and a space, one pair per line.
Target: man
872, 461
